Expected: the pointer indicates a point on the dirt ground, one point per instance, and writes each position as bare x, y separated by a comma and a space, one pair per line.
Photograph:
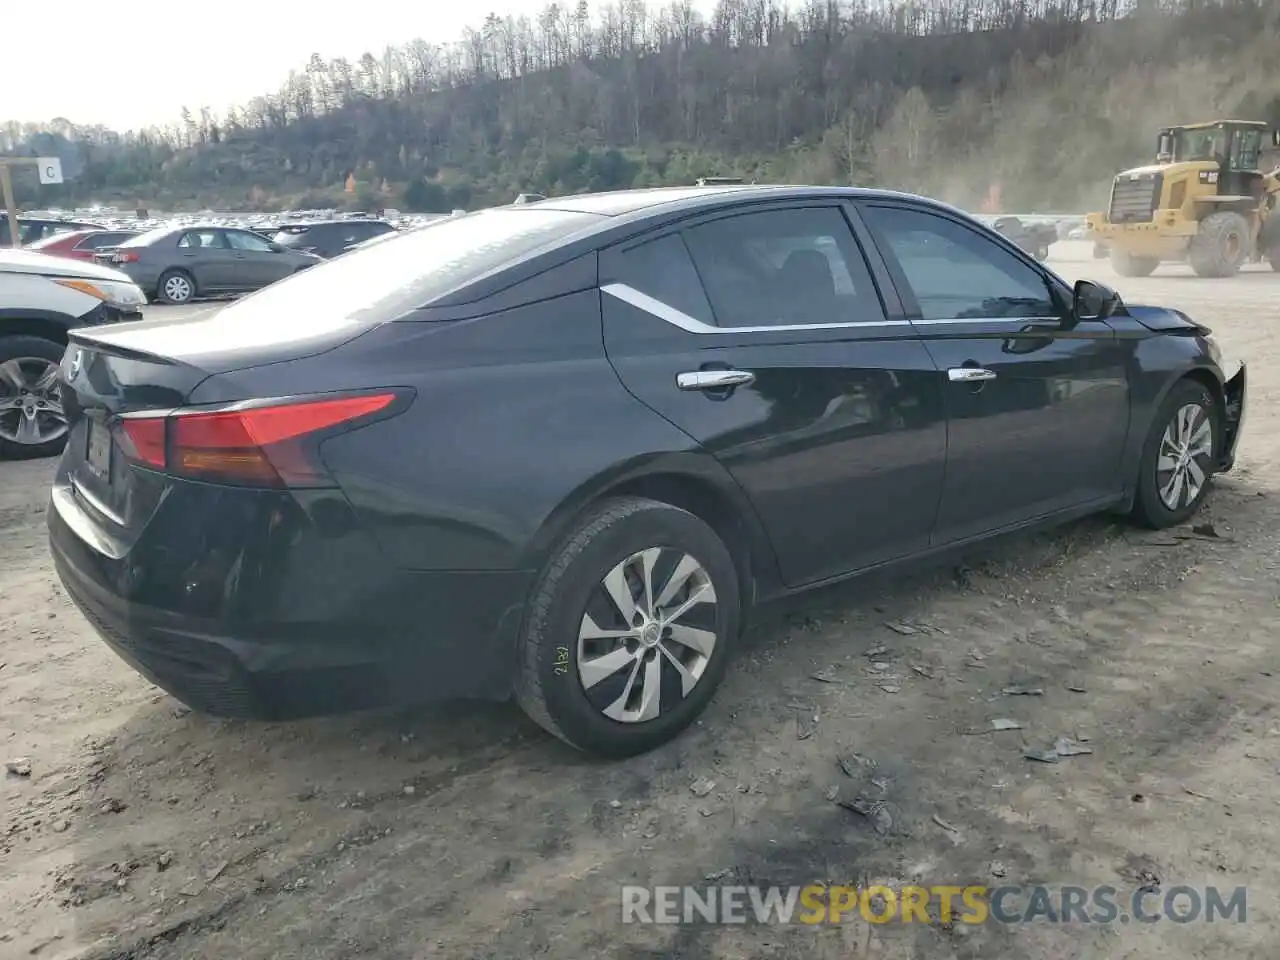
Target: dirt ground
146, 831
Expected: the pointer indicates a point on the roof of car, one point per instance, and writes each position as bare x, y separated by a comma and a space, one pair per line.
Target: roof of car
620, 203
339, 221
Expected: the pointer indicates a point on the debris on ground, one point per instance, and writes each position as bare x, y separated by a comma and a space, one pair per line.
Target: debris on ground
112, 805
1020, 691
1003, 723
702, 786
61, 826
1062, 747
18, 767
876, 652
826, 675
875, 811
807, 724
897, 626
854, 763
998, 869
950, 828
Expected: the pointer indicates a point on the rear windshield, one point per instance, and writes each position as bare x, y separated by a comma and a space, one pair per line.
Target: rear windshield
148, 238
382, 281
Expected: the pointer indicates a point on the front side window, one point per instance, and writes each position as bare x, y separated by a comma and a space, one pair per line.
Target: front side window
202, 239
784, 268
957, 273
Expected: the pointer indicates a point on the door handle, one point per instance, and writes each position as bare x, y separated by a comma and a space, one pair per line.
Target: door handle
969, 374
714, 379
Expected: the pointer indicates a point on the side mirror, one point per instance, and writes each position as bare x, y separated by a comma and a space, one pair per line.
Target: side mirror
1094, 301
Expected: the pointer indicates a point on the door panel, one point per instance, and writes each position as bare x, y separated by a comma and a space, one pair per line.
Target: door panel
1044, 428
838, 440
204, 253
254, 263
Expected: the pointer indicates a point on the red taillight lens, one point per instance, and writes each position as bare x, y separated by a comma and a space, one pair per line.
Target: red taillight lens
142, 439
252, 446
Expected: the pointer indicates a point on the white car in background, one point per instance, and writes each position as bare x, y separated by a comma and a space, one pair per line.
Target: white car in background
41, 298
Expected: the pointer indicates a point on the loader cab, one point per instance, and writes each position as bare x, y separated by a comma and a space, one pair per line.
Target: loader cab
1234, 145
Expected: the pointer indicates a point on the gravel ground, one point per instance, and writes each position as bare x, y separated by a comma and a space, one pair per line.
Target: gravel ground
144, 830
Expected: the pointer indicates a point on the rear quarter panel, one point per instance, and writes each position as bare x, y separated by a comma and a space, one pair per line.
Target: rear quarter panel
518, 417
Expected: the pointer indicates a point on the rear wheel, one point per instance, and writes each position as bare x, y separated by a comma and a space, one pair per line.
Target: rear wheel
1178, 457
176, 286
1221, 245
32, 422
1127, 265
629, 629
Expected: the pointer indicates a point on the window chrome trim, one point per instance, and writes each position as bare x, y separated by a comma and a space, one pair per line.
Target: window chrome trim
678, 318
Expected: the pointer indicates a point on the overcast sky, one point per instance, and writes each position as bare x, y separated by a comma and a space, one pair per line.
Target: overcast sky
155, 56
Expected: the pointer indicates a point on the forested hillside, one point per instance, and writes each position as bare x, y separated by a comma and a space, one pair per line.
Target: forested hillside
1024, 104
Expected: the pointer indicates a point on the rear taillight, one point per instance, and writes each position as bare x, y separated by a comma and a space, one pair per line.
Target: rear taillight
261, 445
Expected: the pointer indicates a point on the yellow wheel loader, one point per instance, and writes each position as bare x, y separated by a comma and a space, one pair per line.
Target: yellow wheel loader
1205, 201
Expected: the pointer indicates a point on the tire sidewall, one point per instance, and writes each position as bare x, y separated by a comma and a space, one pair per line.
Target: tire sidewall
1150, 505
163, 294
557, 634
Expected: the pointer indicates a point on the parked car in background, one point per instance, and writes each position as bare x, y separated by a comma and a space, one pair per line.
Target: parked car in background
80, 244
329, 238
1035, 238
559, 449
177, 264
31, 229
41, 298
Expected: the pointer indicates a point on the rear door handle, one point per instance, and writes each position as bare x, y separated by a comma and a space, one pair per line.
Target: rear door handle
714, 379
969, 374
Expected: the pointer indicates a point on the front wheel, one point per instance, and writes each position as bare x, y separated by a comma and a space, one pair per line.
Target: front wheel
1178, 457
629, 628
1128, 265
1221, 246
32, 422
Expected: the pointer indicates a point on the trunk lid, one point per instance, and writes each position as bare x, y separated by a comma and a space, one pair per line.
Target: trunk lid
116, 370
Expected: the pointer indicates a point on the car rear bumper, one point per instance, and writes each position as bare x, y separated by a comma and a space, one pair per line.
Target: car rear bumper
255, 635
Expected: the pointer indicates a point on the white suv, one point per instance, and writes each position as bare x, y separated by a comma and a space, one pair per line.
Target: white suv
41, 298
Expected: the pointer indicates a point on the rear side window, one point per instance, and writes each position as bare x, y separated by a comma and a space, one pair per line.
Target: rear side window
662, 269
386, 280
784, 268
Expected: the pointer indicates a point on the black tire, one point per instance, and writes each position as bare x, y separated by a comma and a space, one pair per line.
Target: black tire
164, 295
22, 347
1127, 265
1221, 246
1149, 509
549, 684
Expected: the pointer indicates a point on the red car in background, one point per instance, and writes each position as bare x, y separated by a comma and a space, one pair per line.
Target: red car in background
81, 244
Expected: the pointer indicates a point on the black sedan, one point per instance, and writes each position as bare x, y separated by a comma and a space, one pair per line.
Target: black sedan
557, 450
178, 264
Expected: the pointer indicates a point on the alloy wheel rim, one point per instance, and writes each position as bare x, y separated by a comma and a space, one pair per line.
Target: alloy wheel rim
1185, 457
647, 635
30, 404
177, 288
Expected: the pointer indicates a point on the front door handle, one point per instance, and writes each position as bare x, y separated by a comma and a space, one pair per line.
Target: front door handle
714, 379
969, 374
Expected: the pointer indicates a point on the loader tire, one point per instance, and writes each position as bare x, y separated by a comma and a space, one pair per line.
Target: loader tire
1221, 246
1127, 265
1273, 258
